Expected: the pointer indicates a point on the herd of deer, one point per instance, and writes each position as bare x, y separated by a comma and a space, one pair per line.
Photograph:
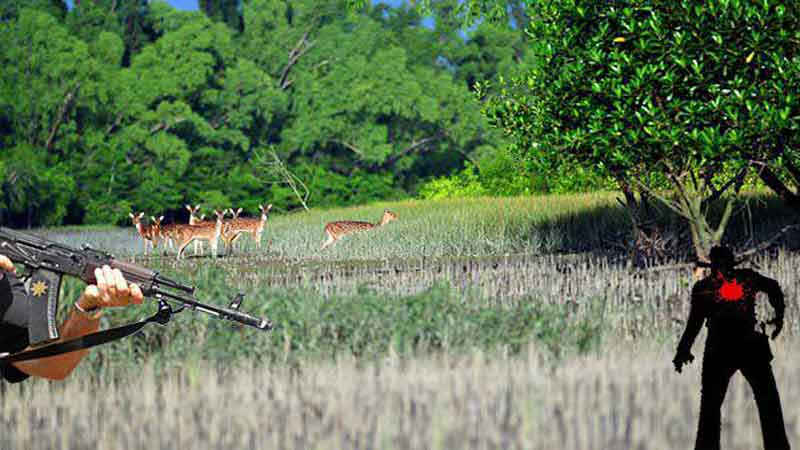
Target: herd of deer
199, 230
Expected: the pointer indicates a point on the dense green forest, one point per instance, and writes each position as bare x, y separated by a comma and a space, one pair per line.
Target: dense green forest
111, 106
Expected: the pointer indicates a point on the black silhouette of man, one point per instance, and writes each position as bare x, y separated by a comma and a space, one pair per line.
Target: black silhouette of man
725, 300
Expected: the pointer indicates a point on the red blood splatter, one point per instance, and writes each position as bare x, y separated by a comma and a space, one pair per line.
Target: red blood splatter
731, 290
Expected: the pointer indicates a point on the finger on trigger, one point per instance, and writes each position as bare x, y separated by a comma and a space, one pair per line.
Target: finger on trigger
122, 285
102, 283
100, 279
109, 276
136, 294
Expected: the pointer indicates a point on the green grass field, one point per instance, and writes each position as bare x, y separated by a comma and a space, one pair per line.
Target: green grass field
482, 323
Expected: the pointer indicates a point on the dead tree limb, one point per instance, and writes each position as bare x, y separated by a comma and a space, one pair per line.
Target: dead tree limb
295, 53
165, 126
68, 99
273, 164
741, 257
410, 148
114, 124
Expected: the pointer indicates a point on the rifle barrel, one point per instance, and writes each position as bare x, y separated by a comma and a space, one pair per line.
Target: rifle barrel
217, 311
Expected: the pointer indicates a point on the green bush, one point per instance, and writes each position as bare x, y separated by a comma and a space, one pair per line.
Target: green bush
502, 175
366, 325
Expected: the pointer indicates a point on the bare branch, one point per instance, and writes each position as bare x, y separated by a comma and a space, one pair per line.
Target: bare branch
766, 244
413, 146
288, 84
773, 182
115, 124
299, 50
320, 64
669, 203
717, 193
723, 221
68, 99
222, 120
741, 257
350, 146
273, 162
794, 171
696, 185
683, 196
165, 126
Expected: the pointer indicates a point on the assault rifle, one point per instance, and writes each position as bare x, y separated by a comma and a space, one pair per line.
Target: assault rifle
47, 262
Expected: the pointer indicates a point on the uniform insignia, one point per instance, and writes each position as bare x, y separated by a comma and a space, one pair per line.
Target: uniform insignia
39, 288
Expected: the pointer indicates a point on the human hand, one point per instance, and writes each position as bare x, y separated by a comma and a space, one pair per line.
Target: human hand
778, 322
682, 358
111, 289
6, 265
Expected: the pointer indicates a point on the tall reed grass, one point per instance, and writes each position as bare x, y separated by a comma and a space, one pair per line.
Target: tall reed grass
565, 303
567, 223
627, 397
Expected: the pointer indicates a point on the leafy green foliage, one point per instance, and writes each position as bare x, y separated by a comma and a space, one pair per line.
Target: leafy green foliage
226, 11
693, 90
501, 174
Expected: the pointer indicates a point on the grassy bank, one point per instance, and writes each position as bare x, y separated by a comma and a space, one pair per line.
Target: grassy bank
474, 227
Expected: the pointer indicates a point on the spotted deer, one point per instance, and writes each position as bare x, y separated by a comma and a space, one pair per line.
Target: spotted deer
195, 220
203, 231
145, 231
168, 235
157, 233
228, 234
168, 231
339, 229
247, 225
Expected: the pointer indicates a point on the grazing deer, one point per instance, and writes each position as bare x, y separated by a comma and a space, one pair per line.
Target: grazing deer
204, 231
339, 229
250, 225
145, 231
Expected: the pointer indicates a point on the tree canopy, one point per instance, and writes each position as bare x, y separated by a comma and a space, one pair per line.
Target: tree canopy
691, 95
114, 106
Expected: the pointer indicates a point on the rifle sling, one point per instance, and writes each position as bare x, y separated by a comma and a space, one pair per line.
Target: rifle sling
89, 340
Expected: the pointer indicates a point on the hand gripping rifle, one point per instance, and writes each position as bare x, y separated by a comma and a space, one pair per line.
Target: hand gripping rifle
47, 262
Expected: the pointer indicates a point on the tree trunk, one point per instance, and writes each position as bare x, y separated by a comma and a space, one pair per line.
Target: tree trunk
779, 187
644, 230
693, 202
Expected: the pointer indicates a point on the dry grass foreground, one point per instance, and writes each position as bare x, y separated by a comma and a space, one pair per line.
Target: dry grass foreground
626, 399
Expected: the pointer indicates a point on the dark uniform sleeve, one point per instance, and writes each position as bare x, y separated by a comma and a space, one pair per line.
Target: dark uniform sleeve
697, 315
13, 323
